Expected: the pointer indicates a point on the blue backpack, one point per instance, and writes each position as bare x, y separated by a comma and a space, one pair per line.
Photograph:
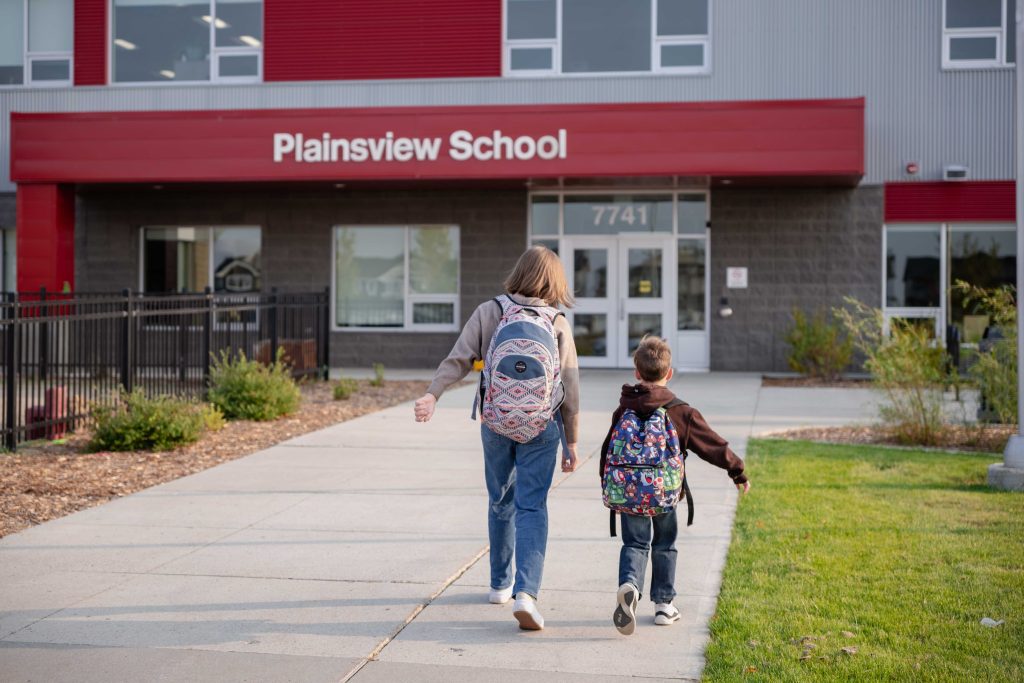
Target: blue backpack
643, 472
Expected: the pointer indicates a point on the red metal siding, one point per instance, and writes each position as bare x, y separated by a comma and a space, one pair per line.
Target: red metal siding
989, 200
46, 237
797, 138
91, 42
307, 40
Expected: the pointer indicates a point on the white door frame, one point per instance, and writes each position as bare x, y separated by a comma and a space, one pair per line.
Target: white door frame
607, 306
701, 337
664, 305
618, 305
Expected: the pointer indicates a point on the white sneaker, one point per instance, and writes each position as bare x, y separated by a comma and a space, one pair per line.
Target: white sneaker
499, 596
665, 614
524, 609
625, 612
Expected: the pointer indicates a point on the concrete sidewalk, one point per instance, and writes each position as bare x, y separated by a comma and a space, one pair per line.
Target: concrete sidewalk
359, 552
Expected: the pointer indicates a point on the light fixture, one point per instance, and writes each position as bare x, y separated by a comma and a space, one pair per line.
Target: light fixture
726, 181
250, 41
122, 43
339, 185
167, 73
726, 310
219, 23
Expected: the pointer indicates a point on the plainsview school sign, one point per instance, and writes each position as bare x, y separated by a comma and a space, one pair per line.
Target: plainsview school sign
818, 140
461, 145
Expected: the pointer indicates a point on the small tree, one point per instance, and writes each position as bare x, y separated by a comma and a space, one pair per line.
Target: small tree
817, 348
906, 365
996, 370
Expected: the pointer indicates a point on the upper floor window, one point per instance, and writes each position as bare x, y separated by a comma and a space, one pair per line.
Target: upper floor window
979, 33
548, 37
187, 40
36, 42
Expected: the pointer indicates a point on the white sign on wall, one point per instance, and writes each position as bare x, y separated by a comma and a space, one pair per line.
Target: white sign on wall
736, 278
462, 145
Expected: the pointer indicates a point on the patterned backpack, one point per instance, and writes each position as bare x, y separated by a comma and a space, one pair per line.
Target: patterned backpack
643, 473
521, 388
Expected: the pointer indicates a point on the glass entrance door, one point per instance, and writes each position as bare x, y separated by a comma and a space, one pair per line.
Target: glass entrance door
592, 266
647, 283
624, 288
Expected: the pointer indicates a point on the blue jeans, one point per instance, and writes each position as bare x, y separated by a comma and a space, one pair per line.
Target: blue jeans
636, 544
518, 478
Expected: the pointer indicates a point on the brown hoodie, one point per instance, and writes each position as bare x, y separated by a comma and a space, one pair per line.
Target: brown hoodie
694, 433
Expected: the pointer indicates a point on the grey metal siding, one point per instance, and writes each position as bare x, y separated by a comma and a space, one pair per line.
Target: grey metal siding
888, 51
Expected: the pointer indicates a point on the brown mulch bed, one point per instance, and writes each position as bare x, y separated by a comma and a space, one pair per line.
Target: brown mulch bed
43, 481
843, 383
980, 438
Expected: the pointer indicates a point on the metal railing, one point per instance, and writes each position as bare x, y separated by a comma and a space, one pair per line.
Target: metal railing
63, 354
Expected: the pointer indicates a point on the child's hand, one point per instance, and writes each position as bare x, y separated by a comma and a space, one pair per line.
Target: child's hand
569, 459
744, 487
424, 407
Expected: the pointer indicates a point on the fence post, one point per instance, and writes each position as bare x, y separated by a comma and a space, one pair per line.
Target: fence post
272, 323
207, 346
183, 349
126, 341
11, 373
44, 336
325, 343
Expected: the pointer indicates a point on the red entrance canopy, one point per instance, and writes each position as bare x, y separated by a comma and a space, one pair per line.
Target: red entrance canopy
817, 140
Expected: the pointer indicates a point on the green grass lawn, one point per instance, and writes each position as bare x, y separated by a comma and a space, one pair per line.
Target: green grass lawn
904, 551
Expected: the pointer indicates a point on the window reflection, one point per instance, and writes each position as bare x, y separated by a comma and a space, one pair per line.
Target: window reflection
912, 267
691, 284
982, 257
640, 325
645, 273
370, 277
590, 331
590, 273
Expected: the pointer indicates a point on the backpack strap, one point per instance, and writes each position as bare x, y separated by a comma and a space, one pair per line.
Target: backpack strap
686, 441
611, 522
479, 398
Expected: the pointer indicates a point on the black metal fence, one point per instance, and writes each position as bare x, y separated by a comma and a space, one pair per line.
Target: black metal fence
63, 354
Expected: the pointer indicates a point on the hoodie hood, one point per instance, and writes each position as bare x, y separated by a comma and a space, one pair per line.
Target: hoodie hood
644, 398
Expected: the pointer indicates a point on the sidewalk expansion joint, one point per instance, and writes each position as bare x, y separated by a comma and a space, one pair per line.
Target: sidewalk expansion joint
375, 653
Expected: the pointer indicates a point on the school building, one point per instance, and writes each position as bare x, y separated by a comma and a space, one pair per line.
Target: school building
702, 167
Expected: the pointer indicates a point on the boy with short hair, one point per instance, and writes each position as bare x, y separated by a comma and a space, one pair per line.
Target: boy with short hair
653, 361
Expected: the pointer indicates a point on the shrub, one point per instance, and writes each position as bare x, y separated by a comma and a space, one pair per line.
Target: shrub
245, 389
153, 424
378, 375
345, 387
907, 366
996, 370
817, 347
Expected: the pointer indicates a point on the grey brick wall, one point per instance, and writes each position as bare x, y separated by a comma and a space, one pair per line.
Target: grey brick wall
297, 244
804, 248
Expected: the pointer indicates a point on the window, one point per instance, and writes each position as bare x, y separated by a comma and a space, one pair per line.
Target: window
979, 33
548, 37
187, 40
985, 256
913, 258
398, 277
189, 259
8, 261
613, 214
923, 262
36, 42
